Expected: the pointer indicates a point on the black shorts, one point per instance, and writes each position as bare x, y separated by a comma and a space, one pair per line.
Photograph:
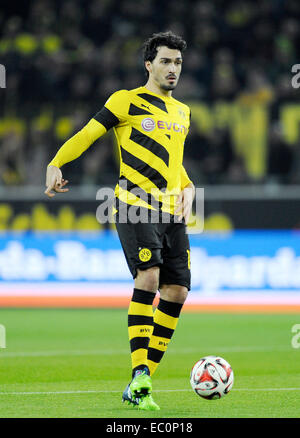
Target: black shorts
157, 244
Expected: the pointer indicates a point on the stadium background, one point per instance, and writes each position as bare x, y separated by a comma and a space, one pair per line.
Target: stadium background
63, 60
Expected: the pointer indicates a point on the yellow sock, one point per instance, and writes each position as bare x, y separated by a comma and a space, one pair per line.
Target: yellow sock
165, 320
140, 326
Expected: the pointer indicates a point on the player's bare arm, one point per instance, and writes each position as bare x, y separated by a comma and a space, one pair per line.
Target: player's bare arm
54, 181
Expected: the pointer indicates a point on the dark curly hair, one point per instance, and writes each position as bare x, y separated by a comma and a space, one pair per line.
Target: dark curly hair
168, 39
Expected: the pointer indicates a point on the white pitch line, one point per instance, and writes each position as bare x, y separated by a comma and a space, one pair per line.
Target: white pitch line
233, 349
119, 391
8, 354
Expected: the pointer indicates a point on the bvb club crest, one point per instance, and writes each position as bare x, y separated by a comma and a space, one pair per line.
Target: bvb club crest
145, 254
181, 113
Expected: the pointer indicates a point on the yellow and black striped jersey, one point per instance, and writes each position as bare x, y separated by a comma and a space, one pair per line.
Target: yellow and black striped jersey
150, 131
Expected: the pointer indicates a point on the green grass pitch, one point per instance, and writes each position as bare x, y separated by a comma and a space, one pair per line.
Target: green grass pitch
75, 363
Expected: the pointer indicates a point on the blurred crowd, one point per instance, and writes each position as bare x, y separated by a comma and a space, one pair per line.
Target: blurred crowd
64, 59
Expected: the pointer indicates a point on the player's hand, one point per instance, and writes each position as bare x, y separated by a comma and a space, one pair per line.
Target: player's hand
185, 202
54, 181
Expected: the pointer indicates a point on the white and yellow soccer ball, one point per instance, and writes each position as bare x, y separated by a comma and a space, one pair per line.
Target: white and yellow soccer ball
212, 377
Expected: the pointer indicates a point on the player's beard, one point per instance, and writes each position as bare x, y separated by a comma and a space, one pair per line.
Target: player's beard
168, 87
165, 85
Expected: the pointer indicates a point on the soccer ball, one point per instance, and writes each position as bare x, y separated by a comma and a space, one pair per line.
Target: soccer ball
211, 377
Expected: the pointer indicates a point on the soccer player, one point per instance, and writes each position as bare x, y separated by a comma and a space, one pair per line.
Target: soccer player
150, 127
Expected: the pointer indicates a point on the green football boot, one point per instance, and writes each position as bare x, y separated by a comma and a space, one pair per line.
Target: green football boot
146, 403
127, 397
138, 392
141, 384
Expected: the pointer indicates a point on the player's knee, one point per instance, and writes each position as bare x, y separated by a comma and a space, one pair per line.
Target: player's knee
174, 293
148, 279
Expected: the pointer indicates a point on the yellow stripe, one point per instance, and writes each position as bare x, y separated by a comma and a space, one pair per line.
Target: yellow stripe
165, 320
148, 157
159, 343
163, 141
168, 198
140, 330
137, 178
152, 366
140, 309
130, 198
189, 258
139, 357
